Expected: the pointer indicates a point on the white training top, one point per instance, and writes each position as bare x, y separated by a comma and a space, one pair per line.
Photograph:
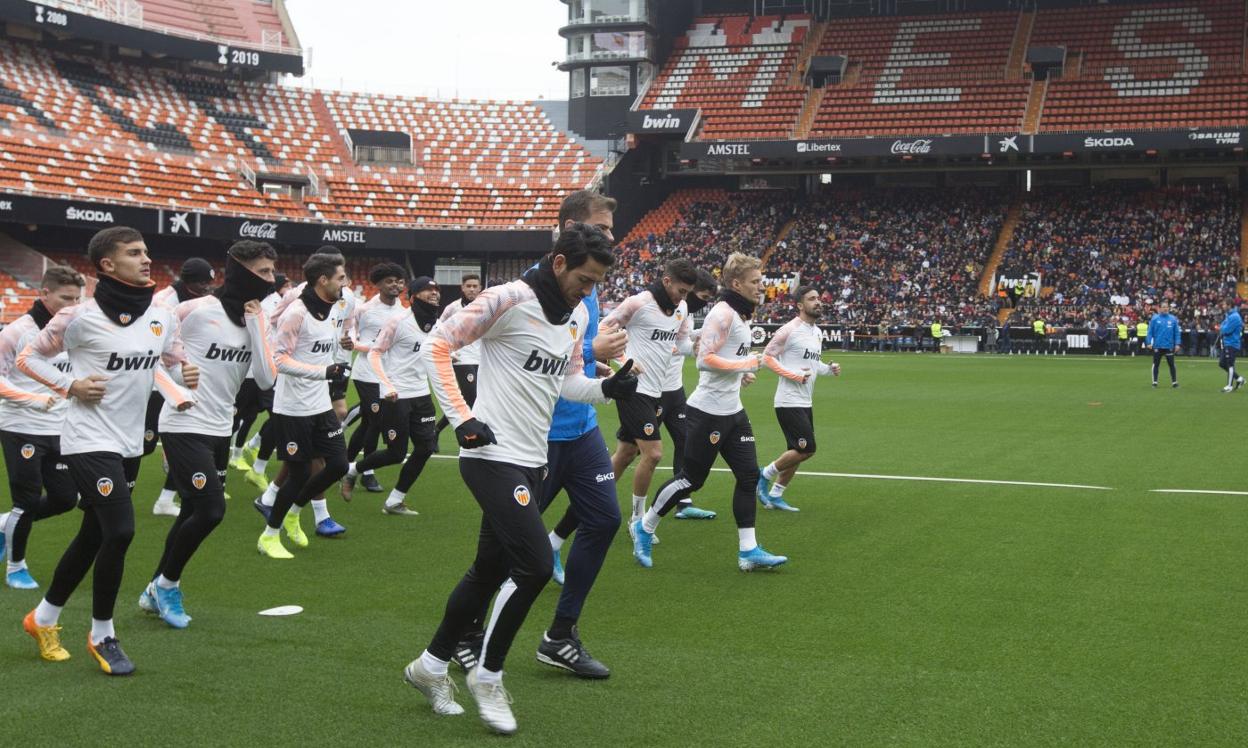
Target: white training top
527, 364
132, 357
469, 355
24, 401
723, 356
654, 338
796, 354
398, 358
303, 347
225, 353
371, 317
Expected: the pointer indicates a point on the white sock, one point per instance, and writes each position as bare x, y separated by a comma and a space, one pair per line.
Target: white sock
101, 630
320, 510
639, 505
395, 498
16, 566
271, 532
745, 539
433, 664
235, 453
164, 582
777, 490
770, 472
270, 495
650, 522
47, 614
488, 676
166, 496
556, 542
260, 465
351, 471
369, 472
254, 441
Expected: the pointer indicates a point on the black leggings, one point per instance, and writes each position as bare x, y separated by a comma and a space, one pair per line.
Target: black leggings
247, 408
104, 481
674, 418
410, 418
40, 483
366, 434
199, 462
709, 436
268, 440
1169, 354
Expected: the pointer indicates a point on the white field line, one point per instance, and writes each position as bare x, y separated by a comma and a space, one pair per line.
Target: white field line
1194, 490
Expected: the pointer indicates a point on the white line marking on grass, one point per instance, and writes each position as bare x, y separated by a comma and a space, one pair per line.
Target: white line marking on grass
869, 476
1195, 490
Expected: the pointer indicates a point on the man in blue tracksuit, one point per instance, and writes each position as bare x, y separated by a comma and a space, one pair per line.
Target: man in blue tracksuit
1164, 337
578, 462
1232, 332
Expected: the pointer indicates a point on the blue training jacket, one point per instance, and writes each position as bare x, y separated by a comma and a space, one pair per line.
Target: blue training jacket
1232, 329
1164, 331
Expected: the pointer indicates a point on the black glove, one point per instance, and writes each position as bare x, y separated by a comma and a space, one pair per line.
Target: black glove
473, 434
337, 373
622, 384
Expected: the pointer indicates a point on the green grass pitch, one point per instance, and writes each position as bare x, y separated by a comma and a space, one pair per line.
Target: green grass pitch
911, 613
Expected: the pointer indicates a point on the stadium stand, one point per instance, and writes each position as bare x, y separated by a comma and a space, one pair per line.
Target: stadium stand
239, 21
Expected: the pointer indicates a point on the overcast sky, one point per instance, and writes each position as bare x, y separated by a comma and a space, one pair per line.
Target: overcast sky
497, 49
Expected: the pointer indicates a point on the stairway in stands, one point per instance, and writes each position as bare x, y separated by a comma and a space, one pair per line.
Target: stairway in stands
1008, 226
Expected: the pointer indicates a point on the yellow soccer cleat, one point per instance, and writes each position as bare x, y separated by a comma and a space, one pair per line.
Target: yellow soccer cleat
49, 638
256, 479
294, 531
271, 546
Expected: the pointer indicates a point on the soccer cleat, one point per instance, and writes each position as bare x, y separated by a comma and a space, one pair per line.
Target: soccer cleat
493, 704
1154, 385
241, 464
259, 480
654, 538
110, 657
556, 574
438, 689
572, 656
642, 542
1227, 388
169, 607
347, 486
49, 638
250, 454
262, 508
1239, 382
328, 528
147, 600
168, 508
271, 546
693, 512
370, 483
1174, 385
401, 509
781, 504
21, 580
294, 530
468, 650
757, 558
763, 492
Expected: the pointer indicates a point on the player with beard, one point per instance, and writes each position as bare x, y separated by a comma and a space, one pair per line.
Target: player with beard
194, 281
119, 343
307, 427
466, 360
718, 423
31, 419
406, 406
531, 333
795, 353
390, 279
226, 336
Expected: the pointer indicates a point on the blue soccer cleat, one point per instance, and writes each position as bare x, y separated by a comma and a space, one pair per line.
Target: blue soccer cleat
21, 580
557, 573
169, 607
3, 537
692, 512
328, 528
763, 492
147, 600
781, 504
757, 558
262, 508
642, 545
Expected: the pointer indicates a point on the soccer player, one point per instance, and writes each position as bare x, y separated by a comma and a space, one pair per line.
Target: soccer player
406, 406
796, 354
717, 421
194, 281
119, 343
1231, 333
306, 426
389, 278
467, 359
31, 419
531, 345
225, 335
252, 401
657, 323
1164, 336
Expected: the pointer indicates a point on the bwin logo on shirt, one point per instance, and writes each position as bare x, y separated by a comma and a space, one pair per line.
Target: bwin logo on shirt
217, 353
744, 350
322, 346
810, 356
663, 335
416, 347
131, 363
553, 366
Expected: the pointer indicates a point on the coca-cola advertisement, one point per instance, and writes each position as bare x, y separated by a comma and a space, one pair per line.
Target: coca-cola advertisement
266, 231
921, 146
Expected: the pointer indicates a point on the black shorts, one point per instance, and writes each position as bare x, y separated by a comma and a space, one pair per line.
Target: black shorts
197, 463
466, 376
798, 425
151, 426
252, 399
370, 400
34, 465
102, 477
639, 419
413, 418
304, 438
